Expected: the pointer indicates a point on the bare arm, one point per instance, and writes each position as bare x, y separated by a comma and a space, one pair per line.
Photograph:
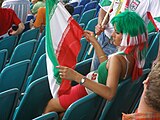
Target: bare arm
107, 91
19, 30
99, 27
99, 51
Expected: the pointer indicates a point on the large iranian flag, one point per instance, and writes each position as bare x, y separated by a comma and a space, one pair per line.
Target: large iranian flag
63, 36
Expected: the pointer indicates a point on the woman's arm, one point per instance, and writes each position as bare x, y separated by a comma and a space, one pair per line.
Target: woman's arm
107, 91
99, 51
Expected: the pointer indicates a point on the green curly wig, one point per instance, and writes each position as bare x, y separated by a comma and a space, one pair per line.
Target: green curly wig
129, 23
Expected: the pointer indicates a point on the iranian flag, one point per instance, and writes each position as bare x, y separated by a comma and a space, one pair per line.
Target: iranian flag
63, 36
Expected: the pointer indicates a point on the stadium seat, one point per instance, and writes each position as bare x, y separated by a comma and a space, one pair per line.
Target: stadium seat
85, 108
91, 24
48, 116
23, 51
83, 2
84, 44
76, 17
74, 4
78, 10
152, 52
127, 96
34, 100
29, 35
87, 16
8, 43
14, 76
40, 51
90, 5
3, 58
39, 71
8, 102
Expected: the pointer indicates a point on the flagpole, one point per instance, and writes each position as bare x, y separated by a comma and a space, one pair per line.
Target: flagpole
103, 22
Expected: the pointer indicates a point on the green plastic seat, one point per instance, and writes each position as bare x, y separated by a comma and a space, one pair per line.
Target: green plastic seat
8, 102
34, 100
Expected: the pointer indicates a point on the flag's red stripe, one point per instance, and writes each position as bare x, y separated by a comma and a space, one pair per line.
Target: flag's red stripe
69, 49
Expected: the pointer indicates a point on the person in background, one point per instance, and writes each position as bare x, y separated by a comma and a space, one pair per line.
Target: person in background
149, 106
131, 41
41, 17
37, 5
8, 18
21, 8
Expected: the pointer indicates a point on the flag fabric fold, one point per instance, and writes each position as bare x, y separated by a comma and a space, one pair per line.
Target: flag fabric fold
63, 36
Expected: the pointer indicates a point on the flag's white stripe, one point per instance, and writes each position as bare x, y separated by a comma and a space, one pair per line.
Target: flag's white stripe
54, 86
58, 24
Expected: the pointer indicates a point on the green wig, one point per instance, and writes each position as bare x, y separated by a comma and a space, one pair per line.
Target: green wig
129, 23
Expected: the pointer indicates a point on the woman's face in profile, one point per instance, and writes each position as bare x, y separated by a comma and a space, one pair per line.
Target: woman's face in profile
117, 37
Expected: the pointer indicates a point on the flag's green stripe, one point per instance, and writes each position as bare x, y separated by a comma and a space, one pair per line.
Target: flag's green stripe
50, 8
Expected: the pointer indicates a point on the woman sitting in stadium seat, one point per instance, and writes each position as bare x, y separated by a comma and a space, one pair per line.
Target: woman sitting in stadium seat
130, 37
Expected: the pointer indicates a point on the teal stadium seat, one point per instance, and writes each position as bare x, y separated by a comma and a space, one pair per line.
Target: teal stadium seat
90, 5
85, 108
14, 76
76, 17
152, 51
23, 51
3, 58
91, 24
40, 51
29, 35
8, 43
84, 46
78, 10
48, 116
87, 16
84, 2
8, 102
127, 96
39, 71
34, 100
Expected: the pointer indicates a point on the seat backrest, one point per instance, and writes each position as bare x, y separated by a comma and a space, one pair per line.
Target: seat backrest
128, 94
29, 35
48, 116
23, 51
83, 67
73, 4
8, 43
84, 44
90, 5
34, 100
39, 71
8, 102
76, 17
87, 16
91, 24
152, 52
3, 58
14, 76
78, 10
151, 37
85, 108
84, 2
40, 51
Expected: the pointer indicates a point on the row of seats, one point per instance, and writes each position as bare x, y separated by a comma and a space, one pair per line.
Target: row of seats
27, 63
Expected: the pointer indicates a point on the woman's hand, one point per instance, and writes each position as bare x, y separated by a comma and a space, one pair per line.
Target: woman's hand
90, 37
69, 74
